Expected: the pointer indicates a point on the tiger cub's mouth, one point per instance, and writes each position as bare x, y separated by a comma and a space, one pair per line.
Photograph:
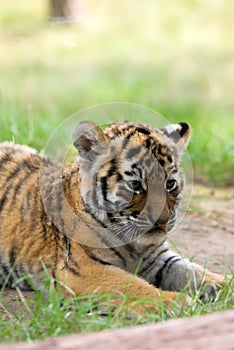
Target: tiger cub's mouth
157, 229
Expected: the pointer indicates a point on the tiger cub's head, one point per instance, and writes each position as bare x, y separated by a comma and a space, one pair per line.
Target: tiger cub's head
129, 176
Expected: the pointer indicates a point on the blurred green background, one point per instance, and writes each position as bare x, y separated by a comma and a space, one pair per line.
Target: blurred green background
175, 57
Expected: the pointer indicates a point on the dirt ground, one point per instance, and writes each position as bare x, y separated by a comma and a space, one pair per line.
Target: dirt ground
207, 230
206, 235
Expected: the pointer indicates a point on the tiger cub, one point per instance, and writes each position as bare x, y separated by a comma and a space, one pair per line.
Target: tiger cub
95, 223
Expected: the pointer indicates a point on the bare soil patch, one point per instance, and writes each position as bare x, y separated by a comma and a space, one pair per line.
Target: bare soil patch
207, 231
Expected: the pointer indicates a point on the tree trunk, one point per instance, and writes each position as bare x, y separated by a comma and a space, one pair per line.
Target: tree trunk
64, 11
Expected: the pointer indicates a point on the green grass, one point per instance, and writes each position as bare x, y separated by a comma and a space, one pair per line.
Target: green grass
48, 315
173, 57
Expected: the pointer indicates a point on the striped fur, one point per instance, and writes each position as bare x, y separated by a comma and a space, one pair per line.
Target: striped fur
95, 223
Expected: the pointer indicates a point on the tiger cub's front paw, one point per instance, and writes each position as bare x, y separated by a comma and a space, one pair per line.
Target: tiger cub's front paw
211, 287
209, 292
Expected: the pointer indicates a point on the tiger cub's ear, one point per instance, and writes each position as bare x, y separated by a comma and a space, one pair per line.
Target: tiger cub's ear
180, 134
87, 135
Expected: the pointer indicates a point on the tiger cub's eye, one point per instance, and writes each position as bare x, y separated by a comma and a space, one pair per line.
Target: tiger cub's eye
171, 185
137, 186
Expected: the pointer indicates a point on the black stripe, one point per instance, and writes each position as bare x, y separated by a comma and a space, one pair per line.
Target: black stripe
159, 275
131, 249
161, 162
72, 265
44, 222
94, 217
20, 271
6, 158
95, 258
56, 237
150, 262
125, 144
143, 131
104, 187
169, 158
74, 261
130, 134
115, 251
21, 182
14, 172
8, 274
133, 152
58, 198
112, 218
119, 177
106, 242
52, 195
147, 143
5, 269
37, 208
72, 270
172, 263
9, 186
12, 257
139, 130
46, 198
13, 175
113, 168
68, 245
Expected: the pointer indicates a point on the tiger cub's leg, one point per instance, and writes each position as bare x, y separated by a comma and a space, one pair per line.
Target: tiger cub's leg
111, 279
172, 272
93, 277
